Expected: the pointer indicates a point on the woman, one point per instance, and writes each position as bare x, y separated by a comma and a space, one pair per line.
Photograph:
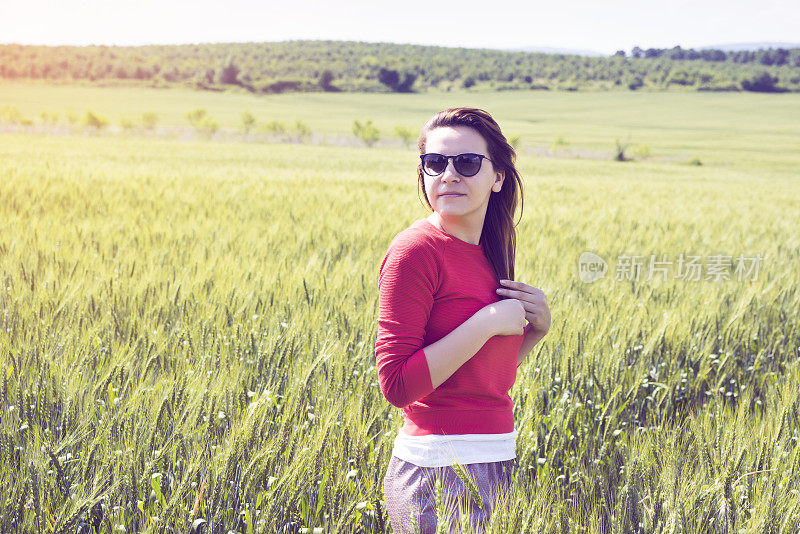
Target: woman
452, 324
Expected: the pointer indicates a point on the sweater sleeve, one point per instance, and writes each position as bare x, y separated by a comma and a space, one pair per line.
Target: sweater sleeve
407, 280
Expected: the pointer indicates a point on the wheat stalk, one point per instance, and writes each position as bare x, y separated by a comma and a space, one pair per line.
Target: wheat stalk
469, 484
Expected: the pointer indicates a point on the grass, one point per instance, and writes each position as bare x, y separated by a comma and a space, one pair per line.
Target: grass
191, 324
716, 128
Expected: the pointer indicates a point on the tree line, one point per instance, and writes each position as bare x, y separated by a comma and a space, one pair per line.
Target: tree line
277, 67
778, 56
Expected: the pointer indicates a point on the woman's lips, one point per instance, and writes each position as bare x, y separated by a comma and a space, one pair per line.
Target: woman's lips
451, 195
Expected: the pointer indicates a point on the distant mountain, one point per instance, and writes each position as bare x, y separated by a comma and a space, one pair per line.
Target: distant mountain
556, 50
736, 47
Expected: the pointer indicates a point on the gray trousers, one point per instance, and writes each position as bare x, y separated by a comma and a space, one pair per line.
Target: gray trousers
410, 494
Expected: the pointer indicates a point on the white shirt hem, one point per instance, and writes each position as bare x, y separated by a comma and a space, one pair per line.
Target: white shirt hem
437, 450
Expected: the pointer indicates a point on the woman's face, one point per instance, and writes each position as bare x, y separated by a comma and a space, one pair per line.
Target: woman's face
473, 192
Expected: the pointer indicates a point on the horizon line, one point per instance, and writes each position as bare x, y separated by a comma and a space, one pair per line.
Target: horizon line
542, 49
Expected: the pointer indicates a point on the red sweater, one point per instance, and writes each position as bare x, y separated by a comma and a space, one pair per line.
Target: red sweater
428, 284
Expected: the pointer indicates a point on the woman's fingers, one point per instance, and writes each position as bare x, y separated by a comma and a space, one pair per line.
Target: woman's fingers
532, 299
511, 285
530, 307
536, 296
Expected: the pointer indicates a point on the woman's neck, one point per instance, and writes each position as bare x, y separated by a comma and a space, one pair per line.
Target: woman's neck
457, 229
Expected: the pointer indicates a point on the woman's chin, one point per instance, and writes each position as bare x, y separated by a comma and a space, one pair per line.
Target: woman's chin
450, 211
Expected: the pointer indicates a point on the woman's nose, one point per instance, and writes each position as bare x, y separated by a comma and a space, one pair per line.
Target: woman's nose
450, 171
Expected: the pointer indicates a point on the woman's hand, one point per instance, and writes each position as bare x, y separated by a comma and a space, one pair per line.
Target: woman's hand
504, 318
536, 311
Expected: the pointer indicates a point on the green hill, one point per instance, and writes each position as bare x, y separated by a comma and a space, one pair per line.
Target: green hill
277, 67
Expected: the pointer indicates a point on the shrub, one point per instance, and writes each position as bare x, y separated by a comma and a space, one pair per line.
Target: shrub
642, 151
620, 151
10, 114
273, 127
721, 86
48, 118
558, 144
679, 77
302, 130
149, 120
633, 82
196, 116
248, 121
367, 132
391, 79
202, 122
94, 120
326, 81
209, 127
126, 123
282, 86
229, 74
408, 83
405, 134
705, 77
762, 83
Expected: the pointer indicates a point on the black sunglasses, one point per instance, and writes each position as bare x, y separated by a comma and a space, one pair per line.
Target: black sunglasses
465, 164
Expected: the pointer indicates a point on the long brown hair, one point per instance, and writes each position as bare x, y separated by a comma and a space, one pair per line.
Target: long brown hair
499, 236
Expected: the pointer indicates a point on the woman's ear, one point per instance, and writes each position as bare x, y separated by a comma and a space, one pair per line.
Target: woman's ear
498, 181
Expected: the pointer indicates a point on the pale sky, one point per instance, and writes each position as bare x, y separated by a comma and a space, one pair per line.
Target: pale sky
600, 25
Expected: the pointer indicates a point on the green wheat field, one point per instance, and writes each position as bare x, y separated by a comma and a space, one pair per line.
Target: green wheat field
187, 321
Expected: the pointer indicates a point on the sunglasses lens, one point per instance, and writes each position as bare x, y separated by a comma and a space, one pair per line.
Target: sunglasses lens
434, 164
467, 164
